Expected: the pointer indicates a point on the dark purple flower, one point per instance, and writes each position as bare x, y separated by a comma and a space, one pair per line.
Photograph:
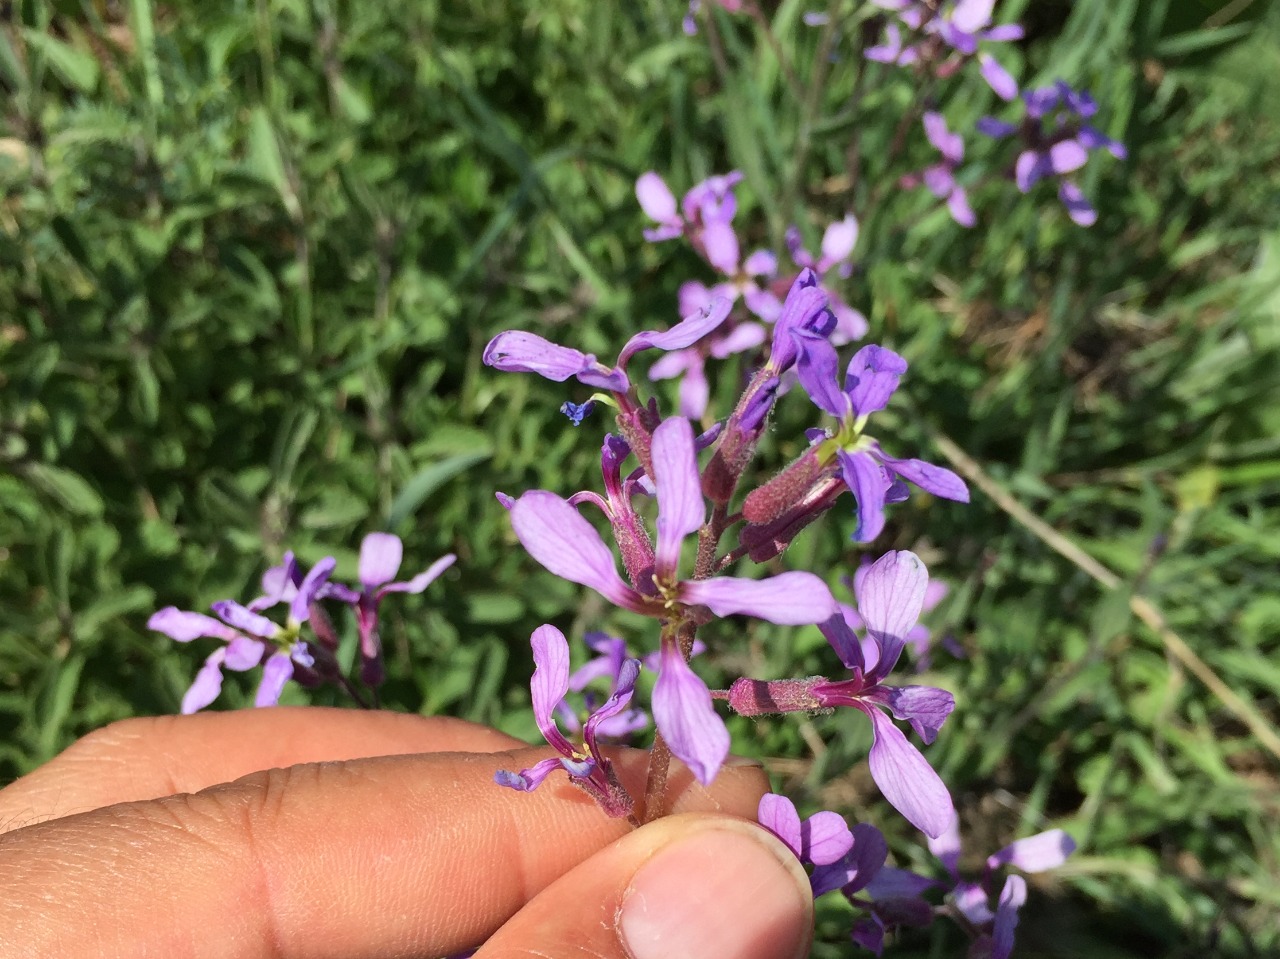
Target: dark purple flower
836, 253
250, 638
587, 767
874, 477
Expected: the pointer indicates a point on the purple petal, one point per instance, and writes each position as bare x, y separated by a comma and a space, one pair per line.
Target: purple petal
380, 555
906, 779
1012, 896
972, 15
207, 684
925, 707
317, 576
990, 126
970, 900
721, 246
788, 599
946, 847
278, 584
778, 815
529, 779
826, 838
656, 198
550, 683
614, 705
843, 640
184, 626
857, 869
1066, 156
423, 579
761, 263
233, 614
695, 392
557, 536
275, 673
958, 205
839, 240
694, 296
938, 180
932, 479
685, 333
1030, 167
681, 509
1004, 33
516, 351
850, 324
744, 336
872, 377
950, 145
764, 304
244, 653
890, 598
1078, 208
890, 883
817, 368
674, 364
1046, 850
869, 934
998, 78
684, 714
867, 481
801, 310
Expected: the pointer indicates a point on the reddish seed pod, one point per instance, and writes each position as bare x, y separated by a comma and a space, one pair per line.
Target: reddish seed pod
785, 491
759, 697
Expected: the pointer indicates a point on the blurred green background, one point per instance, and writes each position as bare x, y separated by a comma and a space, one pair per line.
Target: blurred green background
250, 252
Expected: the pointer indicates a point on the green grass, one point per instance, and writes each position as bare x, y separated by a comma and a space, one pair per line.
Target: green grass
249, 254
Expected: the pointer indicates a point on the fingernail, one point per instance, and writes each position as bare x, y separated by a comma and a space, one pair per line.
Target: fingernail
719, 892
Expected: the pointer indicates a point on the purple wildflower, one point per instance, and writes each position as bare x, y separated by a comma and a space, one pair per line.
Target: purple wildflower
610, 662
586, 766
562, 541
250, 638
940, 177
1056, 141
836, 253
890, 598
821, 840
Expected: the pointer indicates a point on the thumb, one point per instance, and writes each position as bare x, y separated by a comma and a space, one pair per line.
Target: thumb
696, 885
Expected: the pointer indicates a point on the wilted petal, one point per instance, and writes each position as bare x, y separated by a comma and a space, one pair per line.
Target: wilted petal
998, 78
185, 626
839, 240
516, 351
656, 198
788, 599
529, 779
906, 779
207, 684
685, 333
867, 481
937, 480
826, 838
557, 536
423, 579
924, 707
684, 714
1012, 896
275, 673
778, 815
872, 377
1046, 850
681, 508
1078, 208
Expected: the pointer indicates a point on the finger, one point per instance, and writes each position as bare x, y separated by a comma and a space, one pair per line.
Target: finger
147, 758
407, 855
695, 885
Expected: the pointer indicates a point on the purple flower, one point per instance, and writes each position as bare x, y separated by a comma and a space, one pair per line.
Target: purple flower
836, 253
586, 766
516, 351
250, 638
890, 597
918, 637
1056, 141
873, 476
562, 541
380, 556
940, 178
609, 663
820, 840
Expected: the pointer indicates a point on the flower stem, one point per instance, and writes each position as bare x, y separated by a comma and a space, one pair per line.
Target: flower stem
656, 784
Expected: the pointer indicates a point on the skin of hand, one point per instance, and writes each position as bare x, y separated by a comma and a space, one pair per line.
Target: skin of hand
289, 833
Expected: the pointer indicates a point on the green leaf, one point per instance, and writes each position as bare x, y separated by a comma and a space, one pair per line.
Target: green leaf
427, 481
69, 489
76, 68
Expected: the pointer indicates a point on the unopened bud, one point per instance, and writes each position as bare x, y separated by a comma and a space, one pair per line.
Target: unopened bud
785, 491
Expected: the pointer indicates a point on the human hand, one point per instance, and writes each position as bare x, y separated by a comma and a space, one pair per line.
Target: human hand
274, 833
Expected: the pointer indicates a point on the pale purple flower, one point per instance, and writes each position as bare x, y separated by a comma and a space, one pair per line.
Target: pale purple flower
890, 598
380, 557
874, 477
919, 637
587, 767
821, 840
835, 253
939, 178
250, 639
562, 541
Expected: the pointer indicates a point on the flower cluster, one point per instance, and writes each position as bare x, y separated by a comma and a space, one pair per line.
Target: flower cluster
251, 639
